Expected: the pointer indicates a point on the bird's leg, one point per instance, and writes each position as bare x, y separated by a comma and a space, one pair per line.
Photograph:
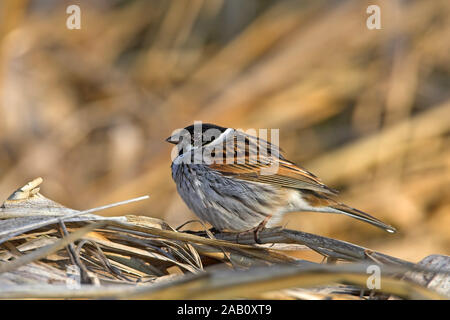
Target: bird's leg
255, 230
202, 233
237, 237
214, 230
259, 228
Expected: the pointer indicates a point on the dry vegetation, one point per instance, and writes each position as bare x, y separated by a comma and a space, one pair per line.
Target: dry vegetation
367, 111
50, 251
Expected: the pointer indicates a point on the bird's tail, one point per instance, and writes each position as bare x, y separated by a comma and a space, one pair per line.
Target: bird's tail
360, 215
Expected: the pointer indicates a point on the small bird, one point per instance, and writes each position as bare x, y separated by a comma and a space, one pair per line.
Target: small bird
238, 182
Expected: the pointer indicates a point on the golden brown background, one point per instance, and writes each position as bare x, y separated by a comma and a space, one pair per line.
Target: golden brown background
366, 110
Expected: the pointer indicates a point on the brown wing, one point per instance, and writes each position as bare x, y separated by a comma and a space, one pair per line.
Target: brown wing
288, 175
250, 164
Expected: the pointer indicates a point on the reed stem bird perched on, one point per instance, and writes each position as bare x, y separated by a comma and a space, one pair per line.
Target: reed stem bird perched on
239, 182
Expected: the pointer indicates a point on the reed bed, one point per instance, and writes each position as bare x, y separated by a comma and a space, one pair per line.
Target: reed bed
50, 251
365, 110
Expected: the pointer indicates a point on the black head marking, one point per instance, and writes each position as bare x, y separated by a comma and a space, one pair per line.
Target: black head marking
203, 133
203, 127
199, 134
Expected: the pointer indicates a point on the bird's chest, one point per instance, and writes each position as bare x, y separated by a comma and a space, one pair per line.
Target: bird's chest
191, 182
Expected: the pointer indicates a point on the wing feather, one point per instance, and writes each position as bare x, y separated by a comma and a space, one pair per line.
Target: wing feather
250, 164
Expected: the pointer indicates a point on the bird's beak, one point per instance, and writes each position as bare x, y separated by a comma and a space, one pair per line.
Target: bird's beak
171, 140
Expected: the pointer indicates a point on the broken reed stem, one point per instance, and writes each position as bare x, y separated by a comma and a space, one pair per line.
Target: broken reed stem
326, 246
65, 217
223, 284
47, 250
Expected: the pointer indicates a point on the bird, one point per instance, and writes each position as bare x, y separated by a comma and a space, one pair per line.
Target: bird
239, 182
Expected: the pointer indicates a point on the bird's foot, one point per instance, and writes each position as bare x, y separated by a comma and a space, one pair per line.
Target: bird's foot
256, 231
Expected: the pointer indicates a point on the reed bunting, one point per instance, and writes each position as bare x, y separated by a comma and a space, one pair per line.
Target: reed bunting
239, 182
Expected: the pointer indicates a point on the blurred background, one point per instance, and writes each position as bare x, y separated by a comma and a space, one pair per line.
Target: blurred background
368, 111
